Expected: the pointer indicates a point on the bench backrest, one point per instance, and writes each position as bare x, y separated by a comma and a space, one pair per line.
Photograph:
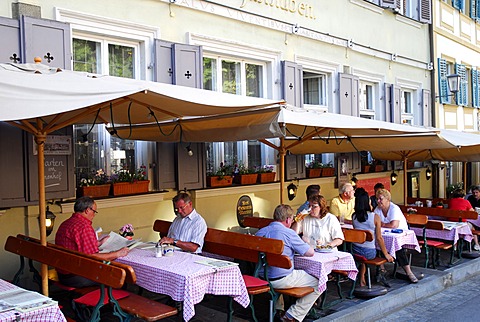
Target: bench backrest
415, 220
237, 245
354, 236
440, 212
130, 276
256, 222
434, 224
92, 269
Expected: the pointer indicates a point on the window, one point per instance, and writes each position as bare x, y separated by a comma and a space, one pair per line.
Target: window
407, 107
314, 89
367, 99
115, 58
239, 77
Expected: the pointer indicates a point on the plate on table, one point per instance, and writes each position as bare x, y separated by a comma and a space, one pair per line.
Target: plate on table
324, 249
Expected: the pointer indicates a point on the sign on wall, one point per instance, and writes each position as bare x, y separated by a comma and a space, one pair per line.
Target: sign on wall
244, 208
56, 145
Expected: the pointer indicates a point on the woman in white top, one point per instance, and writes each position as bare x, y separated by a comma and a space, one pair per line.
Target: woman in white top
363, 218
392, 217
320, 227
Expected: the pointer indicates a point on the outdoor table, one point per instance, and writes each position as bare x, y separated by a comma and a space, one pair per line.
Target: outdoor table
180, 277
46, 313
452, 231
322, 264
396, 241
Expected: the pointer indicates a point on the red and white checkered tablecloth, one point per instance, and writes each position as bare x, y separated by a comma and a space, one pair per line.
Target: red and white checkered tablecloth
322, 264
394, 241
180, 277
461, 230
49, 313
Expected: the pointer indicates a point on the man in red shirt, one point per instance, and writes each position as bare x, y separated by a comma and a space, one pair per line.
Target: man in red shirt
457, 202
77, 233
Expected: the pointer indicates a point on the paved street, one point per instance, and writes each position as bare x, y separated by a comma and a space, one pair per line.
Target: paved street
456, 303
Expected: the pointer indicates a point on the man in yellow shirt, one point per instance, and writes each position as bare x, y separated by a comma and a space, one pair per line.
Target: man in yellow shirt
344, 203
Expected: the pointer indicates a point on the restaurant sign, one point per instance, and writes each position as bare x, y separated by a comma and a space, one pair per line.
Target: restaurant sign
244, 208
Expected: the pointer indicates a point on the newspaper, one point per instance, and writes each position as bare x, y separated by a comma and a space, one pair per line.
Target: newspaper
23, 300
216, 263
449, 225
116, 242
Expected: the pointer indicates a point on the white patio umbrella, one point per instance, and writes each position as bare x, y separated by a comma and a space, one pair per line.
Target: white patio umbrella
40, 100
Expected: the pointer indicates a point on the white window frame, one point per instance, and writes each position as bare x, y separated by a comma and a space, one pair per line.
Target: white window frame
376, 81
416, 116
366, 100
324, 90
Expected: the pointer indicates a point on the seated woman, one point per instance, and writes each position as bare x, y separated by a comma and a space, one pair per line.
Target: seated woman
457, 202
320, 227
392, 216
365, 219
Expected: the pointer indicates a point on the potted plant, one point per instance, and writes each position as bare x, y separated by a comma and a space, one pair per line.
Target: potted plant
127, 183
265, 174
127, 231
328, 170
244, 175
314, 169
96, 185
222, 177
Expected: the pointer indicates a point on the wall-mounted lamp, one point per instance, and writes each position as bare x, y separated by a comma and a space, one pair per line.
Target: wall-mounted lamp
49, 221
291, 191
453, 83
393, 178
189, 151
428, 173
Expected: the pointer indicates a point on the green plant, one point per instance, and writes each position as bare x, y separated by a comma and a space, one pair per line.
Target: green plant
242, 169
223, 170
314, 165
95, 179
264, 169
326, 165
125, 175
452, 187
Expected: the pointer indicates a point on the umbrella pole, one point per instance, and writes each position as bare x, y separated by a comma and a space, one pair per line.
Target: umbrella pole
405, 183
40, 139
282, 153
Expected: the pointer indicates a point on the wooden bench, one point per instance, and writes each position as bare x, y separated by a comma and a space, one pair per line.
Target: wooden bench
435, 201
112, 275
256, 222
442, 213
262, 251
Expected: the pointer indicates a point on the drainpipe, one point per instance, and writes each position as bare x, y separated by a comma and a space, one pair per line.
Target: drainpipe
432, 97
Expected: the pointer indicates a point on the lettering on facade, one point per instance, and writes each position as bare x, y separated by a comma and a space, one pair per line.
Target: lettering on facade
244, 208
293, 6
54, 169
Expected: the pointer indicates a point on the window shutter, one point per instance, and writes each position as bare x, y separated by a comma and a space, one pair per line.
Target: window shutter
461, 97
473, 9
294, 167
163, 62
47, 39
396, 107
10, 49
292, 75
187, 65
388, 103
166, 164
475, 87
458, 4
425, 11
442, 81
191, 169
387, 3
426, 105
348, 91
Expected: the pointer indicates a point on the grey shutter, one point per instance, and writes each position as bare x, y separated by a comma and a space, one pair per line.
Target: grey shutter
10, 48
292, 80
348, 92
396, 106
59, 171
163, 72
187, 65
475, 88
47, 39
294, 167
12, 189
166, 164
425, 11
191, 169
387, 3
442, 81
461, 97
427, 107
388, 102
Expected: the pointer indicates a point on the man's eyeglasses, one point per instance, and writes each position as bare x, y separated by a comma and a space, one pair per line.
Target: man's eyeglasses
182, 208
93, 210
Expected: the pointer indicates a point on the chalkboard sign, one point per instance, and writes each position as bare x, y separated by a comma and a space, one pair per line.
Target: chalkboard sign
244, 208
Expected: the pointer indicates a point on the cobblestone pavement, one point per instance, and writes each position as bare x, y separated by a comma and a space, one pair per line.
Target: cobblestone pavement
456, 303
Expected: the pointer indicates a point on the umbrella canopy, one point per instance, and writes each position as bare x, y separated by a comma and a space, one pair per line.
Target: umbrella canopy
40, 100
462, 147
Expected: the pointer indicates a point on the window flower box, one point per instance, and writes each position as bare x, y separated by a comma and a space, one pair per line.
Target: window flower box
249, 178
314, 173
266, 177
219, 181
130, 188
328, 172
102, 190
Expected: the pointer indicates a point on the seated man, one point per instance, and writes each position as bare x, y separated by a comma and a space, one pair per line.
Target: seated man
77, 233
287, 278
343, 205
188, 229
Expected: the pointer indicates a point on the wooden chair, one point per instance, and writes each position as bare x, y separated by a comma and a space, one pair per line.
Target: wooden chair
420, 221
